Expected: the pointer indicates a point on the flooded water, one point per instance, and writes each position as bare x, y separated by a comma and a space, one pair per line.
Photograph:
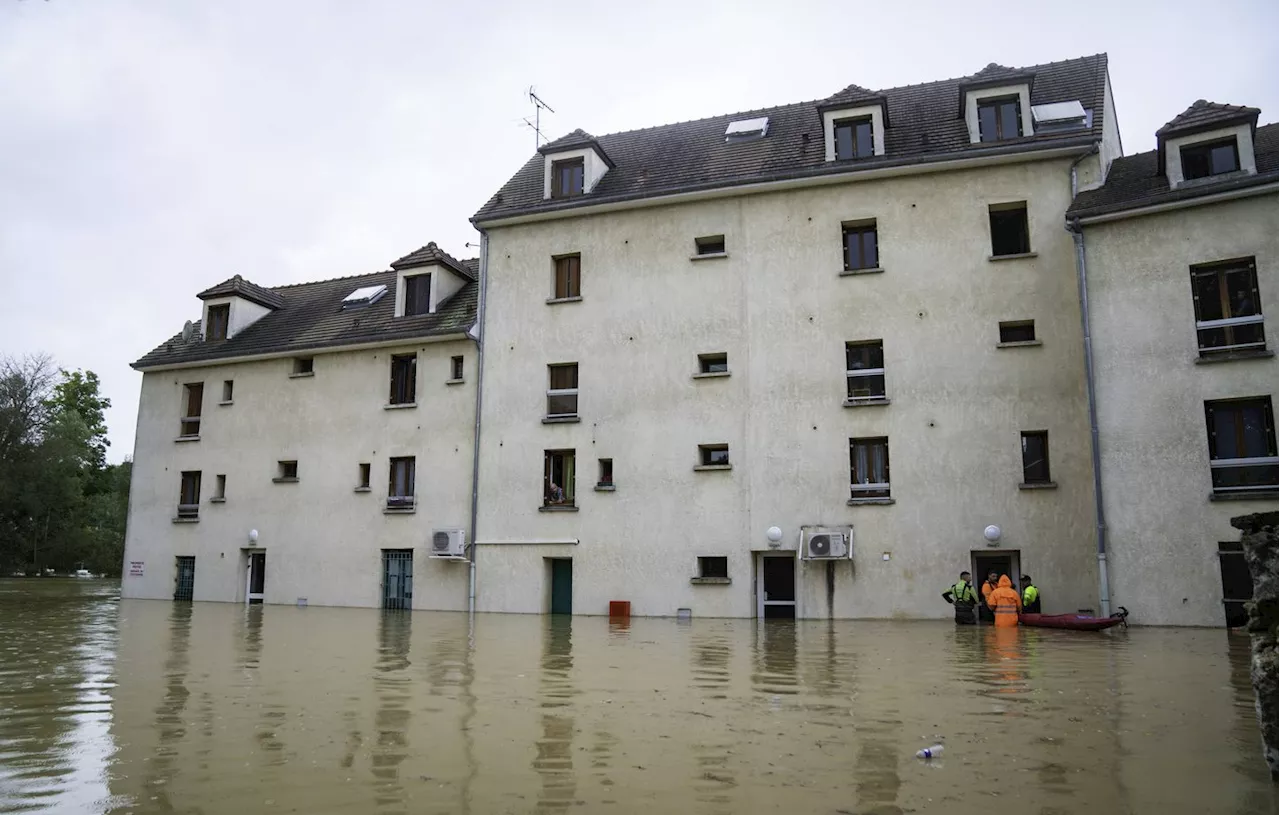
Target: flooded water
151, 707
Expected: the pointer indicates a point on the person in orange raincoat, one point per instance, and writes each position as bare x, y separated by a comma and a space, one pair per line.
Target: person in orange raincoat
1005, 603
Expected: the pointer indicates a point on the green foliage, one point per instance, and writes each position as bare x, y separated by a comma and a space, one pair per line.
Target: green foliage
61, 505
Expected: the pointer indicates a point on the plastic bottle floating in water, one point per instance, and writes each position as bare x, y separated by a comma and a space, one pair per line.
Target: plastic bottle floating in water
930, 752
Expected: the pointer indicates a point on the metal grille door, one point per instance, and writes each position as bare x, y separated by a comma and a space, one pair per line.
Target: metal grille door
186, 581
397, 578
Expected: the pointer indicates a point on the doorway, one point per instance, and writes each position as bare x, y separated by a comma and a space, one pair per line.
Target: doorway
561, 585
397, 578
1000, 561
1237, 583
185, 587
255, 580
776, 586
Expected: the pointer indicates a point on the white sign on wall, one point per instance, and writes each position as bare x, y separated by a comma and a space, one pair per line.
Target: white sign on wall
135, 568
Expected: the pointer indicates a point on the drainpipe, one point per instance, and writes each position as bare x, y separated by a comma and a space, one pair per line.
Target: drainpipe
475, 449
1082, 275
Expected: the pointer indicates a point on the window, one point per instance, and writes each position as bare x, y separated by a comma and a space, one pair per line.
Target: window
193, 394
568, 277
417, 295
713, 363
228, 390
869, 468
558, 478
713, 455
1228, 309
566, 178
713, 567
219, 319
219, 488
562, 391
455, 369
189, 495
861, 246
286, 471
1035, 457
853, 139
400, 490
999, 119
606, 473
709, 245
1009, 233
363, 483
1210, 158
1018, 331
304, 366
1242, 445
404, 379
864, 370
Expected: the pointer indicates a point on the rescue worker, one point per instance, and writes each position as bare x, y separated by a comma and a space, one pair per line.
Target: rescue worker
1005, 603
984, 610
1030, 596
963, 597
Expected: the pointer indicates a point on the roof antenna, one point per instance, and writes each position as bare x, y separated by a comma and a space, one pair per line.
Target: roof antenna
536, 124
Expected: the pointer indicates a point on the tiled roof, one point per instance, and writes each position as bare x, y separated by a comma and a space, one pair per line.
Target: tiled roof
852, 95
995, 73
311, 319
430, 254
239, 287
568, 141
1139, 181
693, 155
1203, 114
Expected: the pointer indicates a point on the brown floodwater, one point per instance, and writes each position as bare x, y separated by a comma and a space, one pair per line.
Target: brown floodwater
140, 706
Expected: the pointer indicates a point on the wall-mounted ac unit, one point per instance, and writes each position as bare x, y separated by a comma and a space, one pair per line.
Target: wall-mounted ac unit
826, 546
448, 542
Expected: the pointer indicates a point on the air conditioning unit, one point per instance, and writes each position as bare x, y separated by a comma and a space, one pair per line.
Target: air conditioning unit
448, 543
826, 546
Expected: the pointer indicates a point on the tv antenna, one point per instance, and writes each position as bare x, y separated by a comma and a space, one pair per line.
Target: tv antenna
536, 124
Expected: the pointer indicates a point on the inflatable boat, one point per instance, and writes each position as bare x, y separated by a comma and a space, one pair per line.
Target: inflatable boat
1075, 622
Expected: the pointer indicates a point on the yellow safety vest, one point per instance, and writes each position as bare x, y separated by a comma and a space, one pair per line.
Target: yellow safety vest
962, 592
1029, 595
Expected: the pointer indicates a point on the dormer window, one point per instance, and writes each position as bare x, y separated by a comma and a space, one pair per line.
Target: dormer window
854, 138
567, 177
417, 295
1210, 158
999, 119
219, 319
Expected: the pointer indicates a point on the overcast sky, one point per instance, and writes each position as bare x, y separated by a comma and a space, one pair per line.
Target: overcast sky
151, 149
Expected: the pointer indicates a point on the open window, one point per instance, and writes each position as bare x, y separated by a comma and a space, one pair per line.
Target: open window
1009, 232
558, 478
193, 399
219, 321
713, 456
404, 379
1228, 308
400, 489
189, 495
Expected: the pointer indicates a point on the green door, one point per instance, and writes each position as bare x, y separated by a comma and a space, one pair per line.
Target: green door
562, 586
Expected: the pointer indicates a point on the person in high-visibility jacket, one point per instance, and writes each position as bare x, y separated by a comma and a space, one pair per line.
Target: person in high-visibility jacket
1030, 596
1005, 603
963, 597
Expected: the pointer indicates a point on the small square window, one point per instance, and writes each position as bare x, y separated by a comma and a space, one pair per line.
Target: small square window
455, 369
193, 396
713, 455
363, 482
567, 277
1210, 158
304, 366
417, 295
404, 379
864, 370
286, 471
219, 319
869, 468
713, 567
606, 473
558, 478
1228, 308
861, 245
189, 495
854, 139
1242, 445
228, 390
220, 488
1018, 331
713, 363
567, 178
1009, 232
709, 245
1035, 457
562, 390
999, 119
400, 489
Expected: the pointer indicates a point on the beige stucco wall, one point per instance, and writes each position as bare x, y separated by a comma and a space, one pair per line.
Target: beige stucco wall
322, 539
781, 310
1162, 527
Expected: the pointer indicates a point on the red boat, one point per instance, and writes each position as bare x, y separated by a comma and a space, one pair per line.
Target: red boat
1075, 622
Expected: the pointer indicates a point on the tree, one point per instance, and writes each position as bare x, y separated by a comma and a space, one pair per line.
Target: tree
78, 393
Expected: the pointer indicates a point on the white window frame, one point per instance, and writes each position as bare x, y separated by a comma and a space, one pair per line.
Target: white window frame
1233, 463
553, 392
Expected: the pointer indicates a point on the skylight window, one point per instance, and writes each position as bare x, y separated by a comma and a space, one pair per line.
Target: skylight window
365, 296
746, 129
1060, 116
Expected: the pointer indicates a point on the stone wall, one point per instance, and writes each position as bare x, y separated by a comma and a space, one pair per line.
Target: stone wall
1259, 539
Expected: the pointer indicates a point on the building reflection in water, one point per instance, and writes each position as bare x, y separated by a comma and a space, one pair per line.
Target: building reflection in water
391, 687
170, 726
554, 758
712, 741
